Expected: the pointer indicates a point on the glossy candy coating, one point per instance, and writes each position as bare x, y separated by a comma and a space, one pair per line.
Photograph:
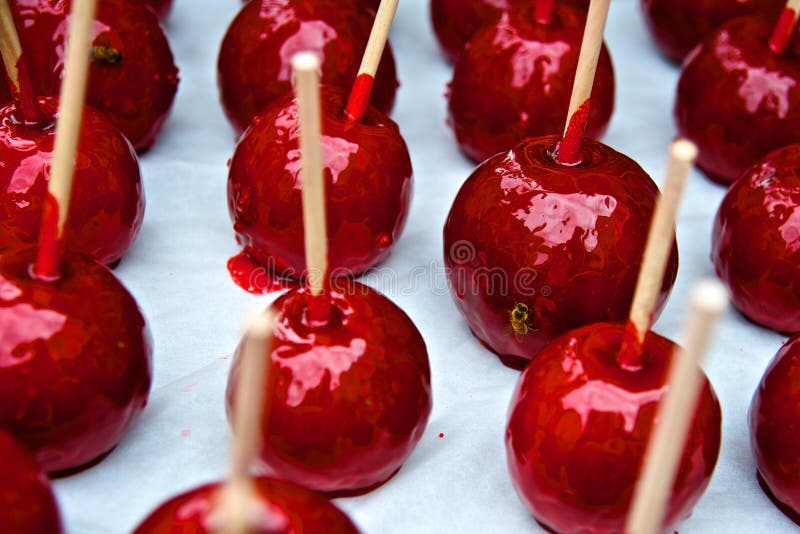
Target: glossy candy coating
254, 65
348, 390
284, 509
75, 360
368, 188
774, 419
756, 241
27, 504
161, 7
579, 426
135, 92
455, 21
677, 26
107, 204
566, 242
737, 99
514, 79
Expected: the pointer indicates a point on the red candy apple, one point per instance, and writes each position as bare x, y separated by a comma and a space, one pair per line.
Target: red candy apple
737, 99
756, 241
513, 80
284, 509
677, 26
133, 78
27, 504
254, 66
161, 7
774, 419
455, 21
76, 360
348, 389
368, 188
579, 425
108, 202
534, 248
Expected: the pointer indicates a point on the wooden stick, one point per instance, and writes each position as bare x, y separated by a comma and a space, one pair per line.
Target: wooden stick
237, 495
362, 87
674, 417
68, 126
578, 114
306, 66
16, 70
662, 233
784, 29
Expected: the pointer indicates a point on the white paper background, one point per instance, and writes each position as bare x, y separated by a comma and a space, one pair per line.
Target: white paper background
458, 483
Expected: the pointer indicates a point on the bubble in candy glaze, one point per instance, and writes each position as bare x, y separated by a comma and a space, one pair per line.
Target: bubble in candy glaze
737, 99
677, 26
774, 419
756, 241
27, 503
75, 360
534, 248
514, 79
579, 426
348, 390
132, 77
108, 202
254, 64
284, 509
368, 181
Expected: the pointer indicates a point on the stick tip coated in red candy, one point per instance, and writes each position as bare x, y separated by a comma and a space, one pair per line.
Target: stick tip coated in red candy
579, 426
783, 31
568, 151
348, 395
359, 97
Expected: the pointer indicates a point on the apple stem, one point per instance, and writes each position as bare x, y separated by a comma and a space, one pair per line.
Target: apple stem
17, 76
568, 152
675, 412
362, 87
68, 125
543, 11
306, 66
238, 492
682, 154
784, 29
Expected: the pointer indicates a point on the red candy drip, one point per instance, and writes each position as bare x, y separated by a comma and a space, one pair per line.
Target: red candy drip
254, 278
543, 13
569, 149
359, 97
48, 259
783, 31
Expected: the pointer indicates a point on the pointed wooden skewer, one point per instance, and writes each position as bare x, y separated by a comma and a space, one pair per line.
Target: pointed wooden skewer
784, 29
306, 75
569, 150
674, 417
16, 70
362, 87
68, 126
236, 505
662, 234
